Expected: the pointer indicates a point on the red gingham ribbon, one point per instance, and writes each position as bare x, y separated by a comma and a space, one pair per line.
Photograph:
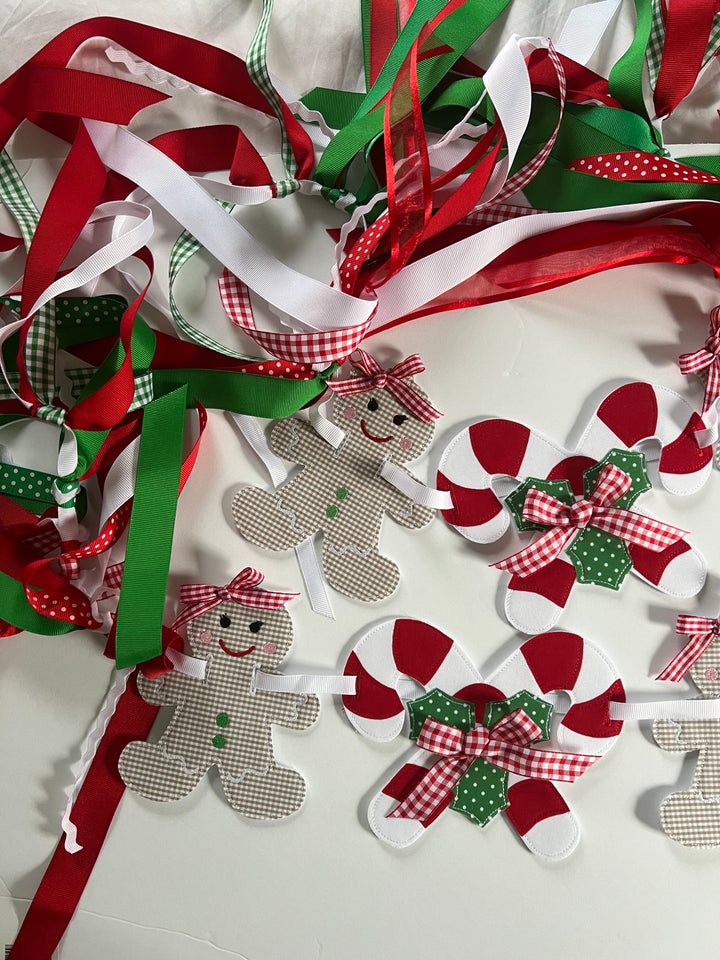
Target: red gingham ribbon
706, 358
702, 631
373, 377
244, 588
324, 346
506, 746
597, 512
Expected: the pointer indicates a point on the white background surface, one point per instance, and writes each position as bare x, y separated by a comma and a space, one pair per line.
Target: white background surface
194, 881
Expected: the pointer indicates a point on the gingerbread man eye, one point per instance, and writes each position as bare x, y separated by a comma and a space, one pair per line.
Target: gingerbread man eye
225, 620
372, 404
255, 626
399, 419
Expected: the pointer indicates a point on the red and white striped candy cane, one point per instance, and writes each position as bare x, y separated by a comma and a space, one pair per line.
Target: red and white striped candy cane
479, 457
549, 662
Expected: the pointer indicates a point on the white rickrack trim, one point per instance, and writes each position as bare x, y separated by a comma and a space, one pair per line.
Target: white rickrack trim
417, 492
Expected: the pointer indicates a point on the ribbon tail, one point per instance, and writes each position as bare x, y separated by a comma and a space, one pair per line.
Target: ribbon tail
690, 653
637, 528
542, 551
539, 764
424, 799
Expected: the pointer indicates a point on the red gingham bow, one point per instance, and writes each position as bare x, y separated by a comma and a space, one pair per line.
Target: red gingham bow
707, 358
505, 746
374, 377
597, 511
702, 631
244, 588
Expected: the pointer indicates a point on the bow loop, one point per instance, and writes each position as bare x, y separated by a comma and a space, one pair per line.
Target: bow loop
702, 631
706, 358
371, 376
243, 588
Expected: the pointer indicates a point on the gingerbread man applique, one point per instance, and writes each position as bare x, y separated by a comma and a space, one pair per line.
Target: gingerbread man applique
340, 492
692, 817
222, 720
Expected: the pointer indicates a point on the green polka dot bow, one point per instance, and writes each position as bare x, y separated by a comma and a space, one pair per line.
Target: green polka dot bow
475, 759
598, 523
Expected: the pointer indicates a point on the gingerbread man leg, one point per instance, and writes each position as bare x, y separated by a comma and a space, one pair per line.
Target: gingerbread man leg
693, 816
259, 520
156, 774
363, 574
269, 796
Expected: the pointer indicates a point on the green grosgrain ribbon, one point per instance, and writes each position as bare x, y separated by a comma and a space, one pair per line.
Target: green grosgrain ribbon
598, 557
481, 793
147, 561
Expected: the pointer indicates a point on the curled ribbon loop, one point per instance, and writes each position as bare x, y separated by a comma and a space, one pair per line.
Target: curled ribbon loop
706, 358
596, 511
506, 745
702, 632
373, 377
244, 588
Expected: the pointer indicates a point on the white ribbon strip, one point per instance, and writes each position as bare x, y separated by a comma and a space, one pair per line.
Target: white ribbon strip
314, 579
319, 306
190, 666
585, 28
88, 751
414, 490
325, 428
711, 419
708, 709
251, 428
304, 683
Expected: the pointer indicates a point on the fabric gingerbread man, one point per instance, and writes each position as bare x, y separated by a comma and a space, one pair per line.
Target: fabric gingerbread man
339, 492
222, 720
692, 817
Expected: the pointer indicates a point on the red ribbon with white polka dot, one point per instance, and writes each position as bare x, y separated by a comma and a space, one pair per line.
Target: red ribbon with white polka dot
639, 166
373, 377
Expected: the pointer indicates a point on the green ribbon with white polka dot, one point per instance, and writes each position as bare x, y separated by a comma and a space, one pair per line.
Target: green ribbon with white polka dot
481, 793
598, 557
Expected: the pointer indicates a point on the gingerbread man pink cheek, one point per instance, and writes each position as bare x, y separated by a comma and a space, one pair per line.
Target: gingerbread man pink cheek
205, 637
269, 648
349, 413
406, 443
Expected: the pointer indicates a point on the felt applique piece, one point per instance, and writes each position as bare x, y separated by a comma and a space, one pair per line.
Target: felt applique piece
475, 734
339, 492
579, 502
222, 721
692, 817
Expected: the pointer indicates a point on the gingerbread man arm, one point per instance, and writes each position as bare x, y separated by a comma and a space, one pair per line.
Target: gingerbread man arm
296, 711
404, 511
294, 439
680, 736
171, 687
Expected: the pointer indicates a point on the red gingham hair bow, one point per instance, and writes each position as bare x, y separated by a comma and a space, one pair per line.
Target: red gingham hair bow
244, 588
702, 631
707, 358
597, 511
506, 746
372, 377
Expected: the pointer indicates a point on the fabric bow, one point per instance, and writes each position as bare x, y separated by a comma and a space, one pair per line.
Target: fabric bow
596, 511
702, 631
506, 745
706, 358
244, 588
373, 377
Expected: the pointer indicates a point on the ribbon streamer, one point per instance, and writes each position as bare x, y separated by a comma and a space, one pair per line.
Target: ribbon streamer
702, 631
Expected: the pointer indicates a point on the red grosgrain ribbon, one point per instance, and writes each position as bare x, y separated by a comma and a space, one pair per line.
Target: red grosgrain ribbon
506, 746
635, 165
706, 358
244, 588
688, 24
597, 512
373, 377
702, 631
